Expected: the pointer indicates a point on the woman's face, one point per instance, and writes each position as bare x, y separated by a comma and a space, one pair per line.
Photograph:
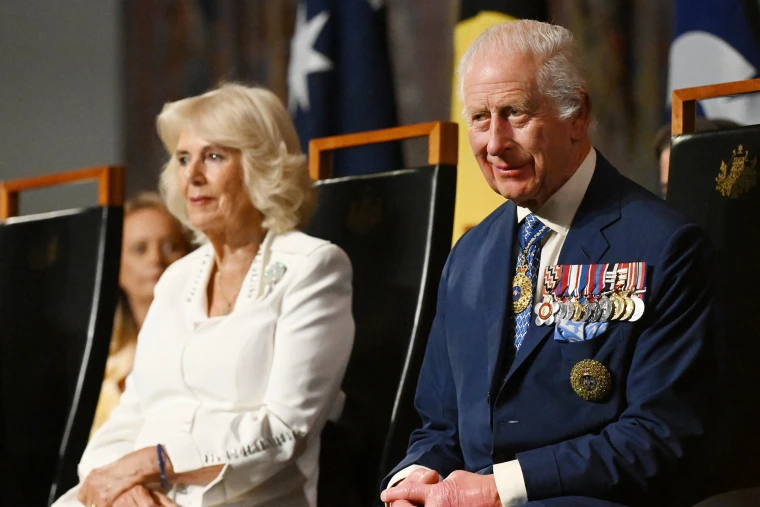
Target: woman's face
211, 180
152, 240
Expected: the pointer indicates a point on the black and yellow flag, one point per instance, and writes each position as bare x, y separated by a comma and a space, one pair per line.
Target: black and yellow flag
475, 199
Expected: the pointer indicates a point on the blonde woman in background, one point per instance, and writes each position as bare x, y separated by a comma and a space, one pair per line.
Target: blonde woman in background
152, 239
240, 359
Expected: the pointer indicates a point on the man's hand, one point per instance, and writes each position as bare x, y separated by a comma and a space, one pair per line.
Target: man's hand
460, 489
419, 476
140, 496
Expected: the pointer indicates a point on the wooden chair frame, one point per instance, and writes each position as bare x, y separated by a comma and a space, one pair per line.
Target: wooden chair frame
684, 112
443, 144
110, 181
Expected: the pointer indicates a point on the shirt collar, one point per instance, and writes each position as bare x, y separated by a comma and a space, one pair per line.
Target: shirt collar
559, 210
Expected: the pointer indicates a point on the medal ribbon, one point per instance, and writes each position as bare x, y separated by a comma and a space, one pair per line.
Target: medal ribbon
564, 275
583, 279
550, 280
574, 280
633, 273
599, 286
593, 276
622, 276
610, 276
547, 281
641, 271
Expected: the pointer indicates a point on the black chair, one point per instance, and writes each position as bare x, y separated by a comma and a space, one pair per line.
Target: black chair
396, 227
58, 285
713, 178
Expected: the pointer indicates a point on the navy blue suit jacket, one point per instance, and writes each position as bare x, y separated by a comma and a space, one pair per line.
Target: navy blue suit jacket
475, 414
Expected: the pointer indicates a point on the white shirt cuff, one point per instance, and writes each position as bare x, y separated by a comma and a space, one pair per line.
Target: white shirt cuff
510, 483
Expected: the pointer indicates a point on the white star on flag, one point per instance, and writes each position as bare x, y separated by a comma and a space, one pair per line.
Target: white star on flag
304, 59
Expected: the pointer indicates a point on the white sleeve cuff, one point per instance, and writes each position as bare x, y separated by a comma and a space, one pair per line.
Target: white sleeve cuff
510, 483
183, 453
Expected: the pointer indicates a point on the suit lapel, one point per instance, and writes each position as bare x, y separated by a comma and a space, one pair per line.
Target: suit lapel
534, 336
498, 269
585, 242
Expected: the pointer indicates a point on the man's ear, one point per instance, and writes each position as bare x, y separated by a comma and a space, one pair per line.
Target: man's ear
580, 121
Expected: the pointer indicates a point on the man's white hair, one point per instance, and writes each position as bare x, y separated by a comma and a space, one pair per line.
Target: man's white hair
561, 76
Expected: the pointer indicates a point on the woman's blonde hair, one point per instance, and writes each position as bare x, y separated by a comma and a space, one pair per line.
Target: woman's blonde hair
254, 121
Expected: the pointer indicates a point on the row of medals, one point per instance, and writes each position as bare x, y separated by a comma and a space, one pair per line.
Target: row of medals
616, 305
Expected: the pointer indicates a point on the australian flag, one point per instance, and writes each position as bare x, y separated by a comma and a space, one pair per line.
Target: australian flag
340, 82
717, 41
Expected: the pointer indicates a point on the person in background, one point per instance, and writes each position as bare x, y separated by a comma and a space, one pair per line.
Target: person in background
662, 145
241, 355
151, 241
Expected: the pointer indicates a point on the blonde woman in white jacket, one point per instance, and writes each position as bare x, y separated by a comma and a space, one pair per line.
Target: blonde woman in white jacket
241, 356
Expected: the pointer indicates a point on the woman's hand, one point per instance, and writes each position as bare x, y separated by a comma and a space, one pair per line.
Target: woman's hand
140, 496
104, 485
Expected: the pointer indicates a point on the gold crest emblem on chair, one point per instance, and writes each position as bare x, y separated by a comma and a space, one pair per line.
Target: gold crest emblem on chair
742, 176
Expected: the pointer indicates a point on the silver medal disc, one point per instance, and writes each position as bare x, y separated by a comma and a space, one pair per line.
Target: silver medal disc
595, 310
586, 314
638, 310
606, 305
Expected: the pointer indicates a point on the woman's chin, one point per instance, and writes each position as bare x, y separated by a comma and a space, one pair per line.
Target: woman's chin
205, 224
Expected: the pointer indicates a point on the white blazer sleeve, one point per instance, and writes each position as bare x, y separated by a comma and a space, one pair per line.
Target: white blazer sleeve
116, 438
312, 344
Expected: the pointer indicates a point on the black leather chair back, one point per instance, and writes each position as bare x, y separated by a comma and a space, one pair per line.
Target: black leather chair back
396, 227
714, 179
58, 287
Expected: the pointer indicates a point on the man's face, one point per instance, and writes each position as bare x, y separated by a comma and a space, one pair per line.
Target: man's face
524, 151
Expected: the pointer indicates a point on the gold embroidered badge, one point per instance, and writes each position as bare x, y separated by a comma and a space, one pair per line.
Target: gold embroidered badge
742, 176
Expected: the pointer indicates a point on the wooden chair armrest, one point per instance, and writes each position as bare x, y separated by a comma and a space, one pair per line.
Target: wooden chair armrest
443, 142
110, 186
685, 101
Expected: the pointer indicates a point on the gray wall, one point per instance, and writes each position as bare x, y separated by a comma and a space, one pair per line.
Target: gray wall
60, 96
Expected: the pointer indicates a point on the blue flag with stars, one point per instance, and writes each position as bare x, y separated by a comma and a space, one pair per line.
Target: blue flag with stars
340, 82
716, 41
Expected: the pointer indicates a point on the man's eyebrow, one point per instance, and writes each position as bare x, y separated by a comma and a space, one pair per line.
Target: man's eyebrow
472, 108
468, 112
523, 104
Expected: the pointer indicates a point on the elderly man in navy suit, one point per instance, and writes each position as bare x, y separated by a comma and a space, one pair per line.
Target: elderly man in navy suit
589, 385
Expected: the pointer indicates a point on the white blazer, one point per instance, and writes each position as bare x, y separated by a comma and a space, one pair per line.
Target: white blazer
250, 390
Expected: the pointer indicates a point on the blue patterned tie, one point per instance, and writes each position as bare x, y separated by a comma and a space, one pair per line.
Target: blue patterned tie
530, 229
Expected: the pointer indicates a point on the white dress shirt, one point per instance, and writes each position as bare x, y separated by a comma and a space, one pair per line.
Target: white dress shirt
250, 390
557, 213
